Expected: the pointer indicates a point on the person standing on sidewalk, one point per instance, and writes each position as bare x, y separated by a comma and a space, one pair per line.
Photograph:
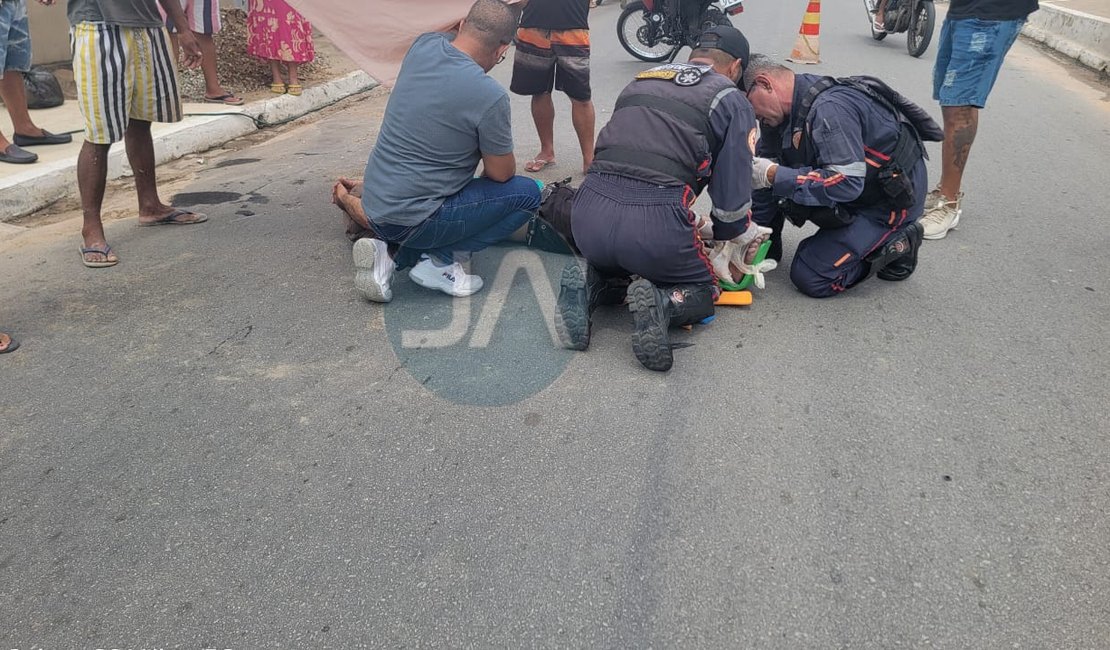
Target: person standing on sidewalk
15, 59
277, 33
553, 53
204, 22
126, 78
974, 40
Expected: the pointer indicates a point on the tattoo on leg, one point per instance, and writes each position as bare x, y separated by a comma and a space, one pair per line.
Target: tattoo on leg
961, 141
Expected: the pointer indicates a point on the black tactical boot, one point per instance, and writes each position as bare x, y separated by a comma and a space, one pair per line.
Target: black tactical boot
654, 310
580, 293
895, 260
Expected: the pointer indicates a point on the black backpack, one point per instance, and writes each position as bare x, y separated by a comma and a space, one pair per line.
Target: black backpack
549, 229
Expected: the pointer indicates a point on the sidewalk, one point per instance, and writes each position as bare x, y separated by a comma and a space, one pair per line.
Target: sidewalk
27, 188
1076, 28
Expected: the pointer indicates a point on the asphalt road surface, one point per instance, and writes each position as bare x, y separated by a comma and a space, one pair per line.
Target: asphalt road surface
219, 444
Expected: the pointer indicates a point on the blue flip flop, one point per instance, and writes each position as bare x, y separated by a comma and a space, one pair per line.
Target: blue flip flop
105, 250
13, 345
174, 218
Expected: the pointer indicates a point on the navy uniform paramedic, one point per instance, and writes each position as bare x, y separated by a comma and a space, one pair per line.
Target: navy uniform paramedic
847, 156
676, 130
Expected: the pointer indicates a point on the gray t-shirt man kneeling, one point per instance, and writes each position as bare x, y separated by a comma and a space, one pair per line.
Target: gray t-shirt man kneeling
419, 192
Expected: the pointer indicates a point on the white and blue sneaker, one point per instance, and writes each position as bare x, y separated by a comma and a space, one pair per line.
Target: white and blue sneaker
451, 279
374, 273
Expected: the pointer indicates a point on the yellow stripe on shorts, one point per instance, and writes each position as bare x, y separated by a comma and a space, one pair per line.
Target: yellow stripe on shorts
123, 73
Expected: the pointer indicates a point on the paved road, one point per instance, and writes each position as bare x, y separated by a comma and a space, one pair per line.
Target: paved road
218, 444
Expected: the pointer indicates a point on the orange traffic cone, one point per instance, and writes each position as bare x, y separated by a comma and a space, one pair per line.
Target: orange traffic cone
807, 48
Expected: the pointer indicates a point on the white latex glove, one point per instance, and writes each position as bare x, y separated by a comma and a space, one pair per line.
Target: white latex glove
705, 228
733, 252
760, 167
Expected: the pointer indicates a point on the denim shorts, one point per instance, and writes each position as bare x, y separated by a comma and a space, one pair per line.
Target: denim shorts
969, 56
15, 37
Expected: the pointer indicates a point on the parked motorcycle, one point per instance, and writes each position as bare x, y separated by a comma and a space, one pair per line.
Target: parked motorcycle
655, 30
916, 18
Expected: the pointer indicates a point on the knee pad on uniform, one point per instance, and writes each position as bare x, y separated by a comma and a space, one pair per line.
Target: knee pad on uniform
690, 303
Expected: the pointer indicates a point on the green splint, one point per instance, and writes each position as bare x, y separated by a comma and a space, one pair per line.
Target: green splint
746, 281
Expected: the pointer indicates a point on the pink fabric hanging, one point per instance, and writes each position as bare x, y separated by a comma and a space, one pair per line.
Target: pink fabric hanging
377, 33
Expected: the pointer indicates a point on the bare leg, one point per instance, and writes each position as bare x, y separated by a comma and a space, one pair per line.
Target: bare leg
293, 67
92, 174
880, 15
15, 99
275, 71
140, 153
212, 87
960, 126
582, 117
543, 114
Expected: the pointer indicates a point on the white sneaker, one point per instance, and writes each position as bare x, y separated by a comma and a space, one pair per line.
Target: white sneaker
940, 217
375, 270
451, 279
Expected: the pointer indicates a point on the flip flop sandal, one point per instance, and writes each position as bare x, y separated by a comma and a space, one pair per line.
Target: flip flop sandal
105, 250
537, 165
13, 345
294, 89
277, 89
226, 98
172, 219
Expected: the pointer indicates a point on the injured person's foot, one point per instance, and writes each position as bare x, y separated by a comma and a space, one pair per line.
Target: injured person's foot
753, 247
347, 195
749, 257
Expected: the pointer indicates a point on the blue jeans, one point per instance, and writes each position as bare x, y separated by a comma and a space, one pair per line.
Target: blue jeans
15, 37
480, 215
969, 56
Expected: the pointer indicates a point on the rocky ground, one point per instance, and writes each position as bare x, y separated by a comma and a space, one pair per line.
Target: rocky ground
240, 72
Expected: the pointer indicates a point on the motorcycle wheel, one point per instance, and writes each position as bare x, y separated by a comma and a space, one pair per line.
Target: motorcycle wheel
640, 37
870, 6
921, 28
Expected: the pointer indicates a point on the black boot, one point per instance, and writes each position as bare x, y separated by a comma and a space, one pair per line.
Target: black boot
580, 293
896, 259
654, 310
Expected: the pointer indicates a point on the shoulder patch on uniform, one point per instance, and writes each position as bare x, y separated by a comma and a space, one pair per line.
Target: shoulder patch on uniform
683, 74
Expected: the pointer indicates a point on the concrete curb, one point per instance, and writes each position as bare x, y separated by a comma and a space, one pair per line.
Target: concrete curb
1076, 34
44, 184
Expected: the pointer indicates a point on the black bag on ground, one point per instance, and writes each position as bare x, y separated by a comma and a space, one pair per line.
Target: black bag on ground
549, 229
43, 89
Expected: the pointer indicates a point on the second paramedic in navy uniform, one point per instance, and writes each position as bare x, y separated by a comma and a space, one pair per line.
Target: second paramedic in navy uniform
832, 146
675, 130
